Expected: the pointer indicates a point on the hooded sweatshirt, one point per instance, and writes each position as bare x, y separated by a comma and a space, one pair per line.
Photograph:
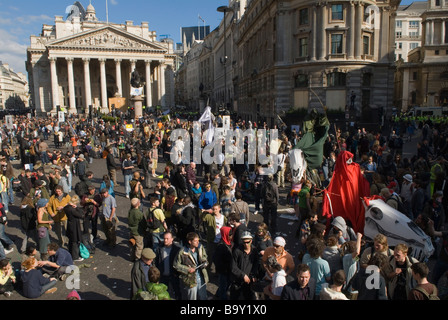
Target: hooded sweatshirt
347, 232
223, 253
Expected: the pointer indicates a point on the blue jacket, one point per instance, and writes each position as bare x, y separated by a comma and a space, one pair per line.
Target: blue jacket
207, 200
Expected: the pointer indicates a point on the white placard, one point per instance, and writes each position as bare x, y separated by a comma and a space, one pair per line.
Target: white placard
61, 116
9, 122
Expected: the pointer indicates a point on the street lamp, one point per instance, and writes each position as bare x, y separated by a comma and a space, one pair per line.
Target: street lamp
224, 10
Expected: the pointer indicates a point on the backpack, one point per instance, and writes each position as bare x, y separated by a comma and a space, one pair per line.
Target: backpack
81, 189
269, 193
432, 296
401, 206
152, 221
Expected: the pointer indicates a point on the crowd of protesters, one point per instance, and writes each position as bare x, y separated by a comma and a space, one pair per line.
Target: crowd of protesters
188, 221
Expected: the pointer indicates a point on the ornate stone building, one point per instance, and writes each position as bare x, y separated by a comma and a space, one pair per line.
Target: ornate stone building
314, 54
13, 88
81, 61
423, 80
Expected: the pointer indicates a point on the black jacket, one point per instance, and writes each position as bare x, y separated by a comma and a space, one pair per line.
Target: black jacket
292, 291
175, 248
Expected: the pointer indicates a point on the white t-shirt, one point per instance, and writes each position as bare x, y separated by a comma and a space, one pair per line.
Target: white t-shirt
219, 225
278, 282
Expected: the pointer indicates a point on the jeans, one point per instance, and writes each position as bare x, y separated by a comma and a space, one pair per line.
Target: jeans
157, 238
127, 186
44, 157
4, 238
48, 286
199, 292
69, 180
28, 234
5, 200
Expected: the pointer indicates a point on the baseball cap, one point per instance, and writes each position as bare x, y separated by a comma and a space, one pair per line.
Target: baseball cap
246, 235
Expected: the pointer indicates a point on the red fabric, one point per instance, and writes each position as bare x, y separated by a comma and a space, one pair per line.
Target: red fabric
344, 195
225, 235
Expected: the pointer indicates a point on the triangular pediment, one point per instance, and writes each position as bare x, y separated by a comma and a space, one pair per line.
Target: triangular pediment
107, 37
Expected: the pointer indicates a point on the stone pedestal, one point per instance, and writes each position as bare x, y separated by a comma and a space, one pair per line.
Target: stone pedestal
137, 103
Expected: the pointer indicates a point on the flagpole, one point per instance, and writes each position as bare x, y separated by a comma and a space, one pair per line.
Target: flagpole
107, 13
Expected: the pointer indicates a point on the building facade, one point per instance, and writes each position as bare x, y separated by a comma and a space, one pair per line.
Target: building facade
13, 88
423, 80
309, 54
82, 62
291, 54
408, 28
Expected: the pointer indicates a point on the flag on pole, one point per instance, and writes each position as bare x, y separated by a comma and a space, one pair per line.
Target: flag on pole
201, 18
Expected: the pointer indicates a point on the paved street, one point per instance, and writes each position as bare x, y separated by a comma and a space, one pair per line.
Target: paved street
106, 274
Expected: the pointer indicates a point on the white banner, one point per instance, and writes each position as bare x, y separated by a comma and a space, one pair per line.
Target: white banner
136, 91
9, 122
61, 116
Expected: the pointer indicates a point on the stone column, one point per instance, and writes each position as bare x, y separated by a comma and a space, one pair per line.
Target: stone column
37, 103
314, 34
442, 40
118, 77
162, 69
351, 33
87, 84
133, 64
432, 31
54, 84
71, 86
358, 28
323, 33
148, 83
104, 103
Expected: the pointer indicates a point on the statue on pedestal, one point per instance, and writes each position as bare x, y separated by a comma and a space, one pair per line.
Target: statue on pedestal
136, 80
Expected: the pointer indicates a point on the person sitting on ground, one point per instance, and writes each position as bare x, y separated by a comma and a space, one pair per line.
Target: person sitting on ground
34, 282
58, 263
7, 278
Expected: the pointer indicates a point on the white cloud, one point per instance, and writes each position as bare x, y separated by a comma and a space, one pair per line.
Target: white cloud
31, 19
12, 51
114, 2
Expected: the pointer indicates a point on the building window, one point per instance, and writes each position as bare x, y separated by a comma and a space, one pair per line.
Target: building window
301, 81
437, 2
336, 43
413, 35
303, 47
336, 79
398, 35
303, 17
367, 79
398, 23
414, 24
444, 75
337, 12
436, 52
366, 44
413, 97
413, 45
400, 45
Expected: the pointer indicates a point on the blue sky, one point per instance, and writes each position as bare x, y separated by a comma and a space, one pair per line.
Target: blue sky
22, 18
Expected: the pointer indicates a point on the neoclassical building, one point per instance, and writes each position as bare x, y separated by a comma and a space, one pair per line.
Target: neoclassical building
314, 54
81, 62
13, 88
423, 79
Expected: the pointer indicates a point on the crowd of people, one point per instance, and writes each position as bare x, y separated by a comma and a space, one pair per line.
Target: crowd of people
189, 221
